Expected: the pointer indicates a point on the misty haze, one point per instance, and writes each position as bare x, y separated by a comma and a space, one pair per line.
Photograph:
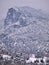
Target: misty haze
24, 34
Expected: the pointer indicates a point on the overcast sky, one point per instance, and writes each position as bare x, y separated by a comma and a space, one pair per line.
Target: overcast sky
38, 4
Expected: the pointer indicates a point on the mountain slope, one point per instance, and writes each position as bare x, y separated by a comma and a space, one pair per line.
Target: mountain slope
26, 30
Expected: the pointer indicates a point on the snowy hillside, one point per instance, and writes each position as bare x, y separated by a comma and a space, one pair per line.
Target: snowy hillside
26, 30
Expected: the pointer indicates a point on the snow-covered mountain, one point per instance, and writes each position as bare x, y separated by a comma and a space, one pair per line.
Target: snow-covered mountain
26, 30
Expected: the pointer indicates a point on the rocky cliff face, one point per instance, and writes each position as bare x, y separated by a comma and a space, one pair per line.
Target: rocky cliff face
26, 30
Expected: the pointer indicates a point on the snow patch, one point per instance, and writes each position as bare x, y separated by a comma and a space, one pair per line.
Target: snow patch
17, 23
6, 57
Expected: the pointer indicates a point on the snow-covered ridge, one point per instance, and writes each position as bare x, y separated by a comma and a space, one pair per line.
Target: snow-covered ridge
26, 30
